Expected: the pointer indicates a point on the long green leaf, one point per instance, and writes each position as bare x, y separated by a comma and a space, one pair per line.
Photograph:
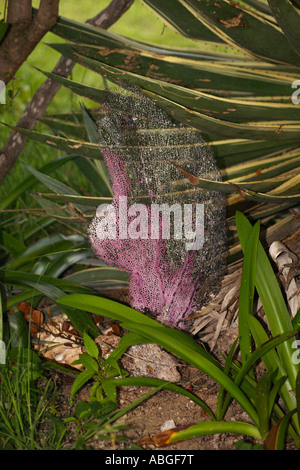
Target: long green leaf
19, 334
272, 361
175, 15
44, 247
11, 244
215, 427
274, 391
89, 169
85, 149
64, 261
263, 388
52, 183
29, 181
152, 382
255, 356
78, 200
3, 28
57, 186
51, 287
288, 18
282, 430
247, 291
243, 188
85, 91
228, 363
94, 137
174, 11
259, 6
267, 130
229, 109
298, 397
99, 278
244, 29
234, 77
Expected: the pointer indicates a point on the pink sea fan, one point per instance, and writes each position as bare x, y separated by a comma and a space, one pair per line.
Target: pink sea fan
153, 284
142, 145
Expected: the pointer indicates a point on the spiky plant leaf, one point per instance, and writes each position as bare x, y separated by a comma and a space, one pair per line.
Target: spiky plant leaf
241, 105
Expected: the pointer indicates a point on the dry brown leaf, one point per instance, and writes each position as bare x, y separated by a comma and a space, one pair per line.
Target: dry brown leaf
35, 317
162, 439
289, 271
59, 341
192, 179
232, 22
271, 439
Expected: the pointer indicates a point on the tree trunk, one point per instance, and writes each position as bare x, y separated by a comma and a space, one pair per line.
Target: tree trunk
44, 95
24, 33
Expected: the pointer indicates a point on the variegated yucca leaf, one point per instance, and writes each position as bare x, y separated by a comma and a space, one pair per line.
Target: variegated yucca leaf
235, 87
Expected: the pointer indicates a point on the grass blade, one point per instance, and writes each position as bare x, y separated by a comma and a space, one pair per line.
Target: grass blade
152, 382
28, 182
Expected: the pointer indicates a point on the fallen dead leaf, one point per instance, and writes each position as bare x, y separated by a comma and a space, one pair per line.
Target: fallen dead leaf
35, 317
162, 438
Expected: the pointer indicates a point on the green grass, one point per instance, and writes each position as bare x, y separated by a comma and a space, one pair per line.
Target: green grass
138, 23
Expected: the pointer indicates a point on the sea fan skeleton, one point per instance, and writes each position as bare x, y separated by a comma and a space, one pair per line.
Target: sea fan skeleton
143, 148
